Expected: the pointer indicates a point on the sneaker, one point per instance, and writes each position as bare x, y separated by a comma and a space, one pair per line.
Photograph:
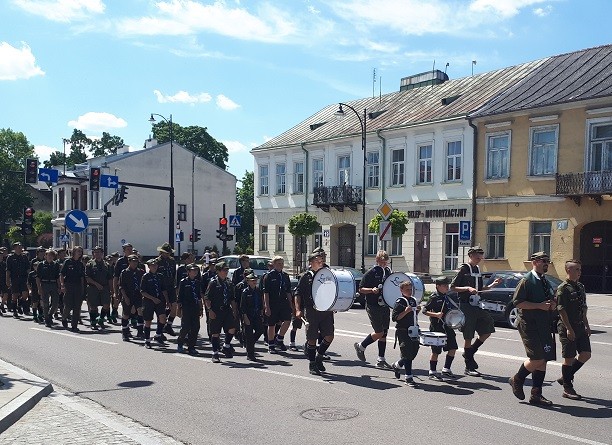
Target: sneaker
100, 322
272, 349
215, 358
313, 368
168, 330
227, 352
163, 337
3, 309
396, 370
75, 329
293, 347
319, 363
382, 364
560, 381
360, 352
160, 340
538, 399
448, 373
472, 372
179, 348
326, 357
570, 393
192, 351
125, 337
281, 346
48, 324
15, 314
436, 377
41, 318
410, 382
65, 324
252, 358
147, 344
517, 387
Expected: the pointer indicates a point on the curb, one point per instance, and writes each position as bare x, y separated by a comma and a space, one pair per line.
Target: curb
20, 405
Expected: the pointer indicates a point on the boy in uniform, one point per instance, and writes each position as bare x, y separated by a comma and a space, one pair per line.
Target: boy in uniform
251, 310
34, 295
405, 327
48, 285
189, 297
167, 269
120, 264
154, 302
17, 269
277, 306
4, 293
72, 279
131, 298
222, 311
99, 277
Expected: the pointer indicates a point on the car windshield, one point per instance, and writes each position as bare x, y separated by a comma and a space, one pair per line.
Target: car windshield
511, 279
258, 263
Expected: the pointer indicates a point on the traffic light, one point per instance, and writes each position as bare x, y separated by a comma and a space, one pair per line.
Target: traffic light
121, 194
196, 235
222, 231
94, 179
31, 171
191, 237
28, 221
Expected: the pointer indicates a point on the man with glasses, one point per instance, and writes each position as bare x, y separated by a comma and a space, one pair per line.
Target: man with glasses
535, 299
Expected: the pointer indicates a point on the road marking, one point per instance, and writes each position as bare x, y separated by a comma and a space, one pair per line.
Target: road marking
601, 343
600, 325
79, 337
528, 427
349, 312
504, 338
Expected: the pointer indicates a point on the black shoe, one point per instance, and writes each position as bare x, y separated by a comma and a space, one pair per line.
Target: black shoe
139, 335
3, 309
570, 393
147, 344
48, 324
313, 368
382, 364
227, 352
517, 387
281, 346
396, 370
448, 373
215, 358
560, 381
65, 324
410, 382
15, 314
20, 309
125, 337
538, 399
160, 340
74, 329
293, 348
435, 377
163, 337
472, 372
319, 363
252, 357
192, 351
168, 330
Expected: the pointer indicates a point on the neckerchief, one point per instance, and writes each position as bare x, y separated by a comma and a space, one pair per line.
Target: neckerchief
194, 293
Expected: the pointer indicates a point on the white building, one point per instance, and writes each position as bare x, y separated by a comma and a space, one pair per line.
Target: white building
419, 157
201, 189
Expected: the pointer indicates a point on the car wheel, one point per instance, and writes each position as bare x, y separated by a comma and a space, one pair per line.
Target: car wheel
512, 317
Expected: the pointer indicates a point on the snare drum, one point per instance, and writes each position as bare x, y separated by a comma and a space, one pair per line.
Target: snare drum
333, 290
391, 290
454, 319
428, 338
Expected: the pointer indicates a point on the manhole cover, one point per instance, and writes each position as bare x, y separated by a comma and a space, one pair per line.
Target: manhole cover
328, 414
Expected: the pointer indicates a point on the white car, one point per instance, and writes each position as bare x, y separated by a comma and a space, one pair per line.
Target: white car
259, 264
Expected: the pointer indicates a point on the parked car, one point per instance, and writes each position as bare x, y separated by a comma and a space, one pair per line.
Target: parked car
259, 264
498, 300
357, 276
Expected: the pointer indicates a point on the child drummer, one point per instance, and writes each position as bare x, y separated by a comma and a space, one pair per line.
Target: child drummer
436, 309
406, 331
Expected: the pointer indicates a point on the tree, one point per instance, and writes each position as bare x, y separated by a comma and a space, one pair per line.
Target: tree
56, 158
302, 225
106, 145
79, 145
195, 139
399, 223
42, 223
244, 207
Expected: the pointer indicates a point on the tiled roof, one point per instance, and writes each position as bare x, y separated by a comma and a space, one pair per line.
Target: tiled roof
405, 108
579, 75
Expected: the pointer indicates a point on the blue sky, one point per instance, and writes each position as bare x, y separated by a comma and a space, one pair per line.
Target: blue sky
249, 70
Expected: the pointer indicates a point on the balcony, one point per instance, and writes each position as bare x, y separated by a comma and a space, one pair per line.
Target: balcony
591, 184
339, 197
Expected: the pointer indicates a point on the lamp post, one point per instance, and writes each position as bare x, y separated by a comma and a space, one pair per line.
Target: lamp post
171, 206
362, 121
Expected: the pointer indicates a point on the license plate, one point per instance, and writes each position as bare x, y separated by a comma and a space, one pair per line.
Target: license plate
490, 306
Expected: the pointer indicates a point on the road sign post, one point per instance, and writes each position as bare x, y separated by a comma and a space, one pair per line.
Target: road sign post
384, 233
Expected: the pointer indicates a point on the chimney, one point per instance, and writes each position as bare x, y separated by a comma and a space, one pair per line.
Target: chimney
151, 142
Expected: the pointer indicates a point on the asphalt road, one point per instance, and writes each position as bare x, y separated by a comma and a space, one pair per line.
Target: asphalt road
237, 402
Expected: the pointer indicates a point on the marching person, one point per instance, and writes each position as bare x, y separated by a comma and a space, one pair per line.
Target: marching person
534, 298
277, 306
72, 281
4, 291
167, 268
154, 302
49, 285
404, 317
317, 321
130, 280
222, 311
187, 259
573, 327
378, 311
251, 310
40, 256
99, 278
435, 309
467, 283
207, 276
35, 296
189, 298
61, 258
120, 265
239, 273
17, 269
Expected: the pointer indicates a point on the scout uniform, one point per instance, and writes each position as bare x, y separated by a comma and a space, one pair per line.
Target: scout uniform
120, 265
72, 277
251, 311
34, 296
219, 299
17, 269
98, 273
3, 287
131, 298
48, 283
189, 297
404, 317
152, 286
277, 288
167, 269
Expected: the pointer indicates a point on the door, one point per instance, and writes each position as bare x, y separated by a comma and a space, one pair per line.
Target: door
596, 256
421, 247
299, 253
346, 246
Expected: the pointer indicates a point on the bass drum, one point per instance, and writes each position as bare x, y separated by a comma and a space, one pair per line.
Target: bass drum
391, 290
333, 290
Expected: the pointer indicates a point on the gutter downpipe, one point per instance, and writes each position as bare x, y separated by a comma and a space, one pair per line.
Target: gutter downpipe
383, 189
302, 145
475, 169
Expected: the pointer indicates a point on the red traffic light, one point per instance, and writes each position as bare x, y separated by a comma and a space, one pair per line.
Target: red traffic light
223, 221
29, 212
95, 171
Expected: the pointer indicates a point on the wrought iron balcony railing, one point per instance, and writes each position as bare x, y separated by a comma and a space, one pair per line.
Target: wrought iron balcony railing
338, 196
592, 184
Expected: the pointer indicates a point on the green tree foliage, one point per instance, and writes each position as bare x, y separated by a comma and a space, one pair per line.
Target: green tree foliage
399, 223
303, 224
14, 234
244, 207
56, 158
194, 138
42, 222
79, 145
106, 145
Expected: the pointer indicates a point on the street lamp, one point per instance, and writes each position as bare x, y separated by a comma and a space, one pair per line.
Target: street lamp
364, 237
171, 207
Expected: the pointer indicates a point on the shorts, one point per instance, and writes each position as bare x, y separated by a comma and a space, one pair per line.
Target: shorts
97, 297
379, 316
225, 320
477, 320
150, 308
3, 289
582, 343
296, 323
171, 295
34, 297
19, 286
409, 347
318, 322
451, 341
279, 311
538, 342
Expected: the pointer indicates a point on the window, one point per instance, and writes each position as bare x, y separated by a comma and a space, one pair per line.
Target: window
498, 156
453, 161
600, 148
263, 180
372, 246
425, 153
181, 215
318, 237
540, 236
496, 239
95, 237
263, 237
317, 173
95, 200
396, 245
373, 171
280, 238
280, 179
74, 202
543, 150
451, 247
344, 170
298, 177
397, 167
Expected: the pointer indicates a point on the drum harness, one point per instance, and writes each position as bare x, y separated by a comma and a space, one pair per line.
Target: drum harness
411, 330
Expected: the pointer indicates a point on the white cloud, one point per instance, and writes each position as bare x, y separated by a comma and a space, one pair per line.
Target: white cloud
543, 12
95, 121
17, 63
182, 97
62, 10
225, 103
44, 151
504, 8
234, 147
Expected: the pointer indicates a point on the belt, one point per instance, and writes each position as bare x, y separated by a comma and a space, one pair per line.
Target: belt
48, 281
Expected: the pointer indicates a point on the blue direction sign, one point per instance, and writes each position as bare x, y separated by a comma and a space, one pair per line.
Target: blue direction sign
464, 230
234, 221
48, 175
109, 181
76, 221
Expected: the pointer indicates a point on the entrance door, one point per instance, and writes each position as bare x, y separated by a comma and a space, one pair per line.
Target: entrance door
346, 246
596, 256
421, 247
299, 253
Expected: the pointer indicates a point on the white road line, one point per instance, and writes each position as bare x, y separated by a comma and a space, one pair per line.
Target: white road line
348, 312
601, 343
528, 427
600, 325
504, 338
78, 337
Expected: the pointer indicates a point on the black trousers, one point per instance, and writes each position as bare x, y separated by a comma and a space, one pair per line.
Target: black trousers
190, 327
252, 332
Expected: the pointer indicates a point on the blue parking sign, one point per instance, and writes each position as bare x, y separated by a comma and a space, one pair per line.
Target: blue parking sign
465, 229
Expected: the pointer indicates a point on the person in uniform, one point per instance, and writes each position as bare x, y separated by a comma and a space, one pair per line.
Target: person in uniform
207, 276
318, 322
222, 311
404, 316
535, 299
573, 327
436, 309
72, 283
277, 306
251, 312
131, 298
378, 312
189, 298
17, 269
467, 283
121, 264
239, 275
40, 256
61, 257
49, 285
99, 278
187, 258
4, 291
155, 300
35, 296
167, 268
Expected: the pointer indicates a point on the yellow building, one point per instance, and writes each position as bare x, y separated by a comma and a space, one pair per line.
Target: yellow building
544, 169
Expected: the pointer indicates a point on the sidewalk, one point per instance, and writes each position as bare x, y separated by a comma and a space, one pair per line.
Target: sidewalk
32, 413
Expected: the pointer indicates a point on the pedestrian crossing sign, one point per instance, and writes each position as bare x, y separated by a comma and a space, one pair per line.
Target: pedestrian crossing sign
234, 221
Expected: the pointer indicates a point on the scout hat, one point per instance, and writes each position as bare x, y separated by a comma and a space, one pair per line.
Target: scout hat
97, 248
16, 243
151, 261
475, 249
165, 248
114, 255
41, 249
251, 276
442, 280
247, 272
221, 266
314, 255
539, 256
193, 266
132, 257
126, 245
